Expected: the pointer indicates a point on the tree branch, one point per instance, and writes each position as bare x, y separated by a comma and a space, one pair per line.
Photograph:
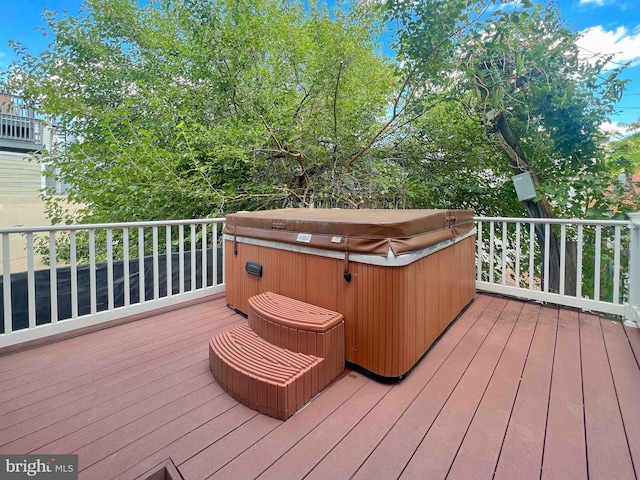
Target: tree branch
335, 117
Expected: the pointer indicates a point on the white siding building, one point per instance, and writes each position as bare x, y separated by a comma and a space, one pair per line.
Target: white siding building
22, 135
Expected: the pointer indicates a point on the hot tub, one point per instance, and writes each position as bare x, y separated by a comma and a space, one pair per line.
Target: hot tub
399, 277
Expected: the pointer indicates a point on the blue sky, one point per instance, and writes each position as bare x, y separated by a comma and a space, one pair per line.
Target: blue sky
609, 26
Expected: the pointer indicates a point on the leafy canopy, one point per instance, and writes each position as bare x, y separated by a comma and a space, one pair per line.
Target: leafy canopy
189, 108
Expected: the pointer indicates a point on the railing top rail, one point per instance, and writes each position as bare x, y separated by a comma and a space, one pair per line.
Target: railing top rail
555, 221
16, 117
96, 226
160, 223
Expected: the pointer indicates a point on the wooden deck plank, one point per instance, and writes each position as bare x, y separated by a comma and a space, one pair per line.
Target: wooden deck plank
480, 448
215, 419
392, 454
521, 455
64, 421
633, 335
111, 361
347, 456
146, 395
112, 385
103, 377
300, 459
607, 448
626, 378
251, 462
208, 398
25, 359
198, 389
108, 342
435, 454
195, 443
564, 449
17, 363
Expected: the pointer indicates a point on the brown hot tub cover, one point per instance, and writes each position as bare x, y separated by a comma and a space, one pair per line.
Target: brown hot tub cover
372, 232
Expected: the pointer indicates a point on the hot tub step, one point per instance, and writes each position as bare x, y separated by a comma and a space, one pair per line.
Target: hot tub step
300, 327
272, 380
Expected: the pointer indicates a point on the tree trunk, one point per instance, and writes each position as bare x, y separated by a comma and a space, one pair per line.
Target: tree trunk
538, 209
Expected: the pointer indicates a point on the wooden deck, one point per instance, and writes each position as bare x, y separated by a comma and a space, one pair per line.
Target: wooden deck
513, 390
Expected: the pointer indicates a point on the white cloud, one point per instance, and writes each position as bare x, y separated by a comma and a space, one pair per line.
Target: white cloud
621, 43
615, 130
598, 3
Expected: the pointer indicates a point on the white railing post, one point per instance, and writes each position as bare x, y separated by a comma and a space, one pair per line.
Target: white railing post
633, 307
6, 284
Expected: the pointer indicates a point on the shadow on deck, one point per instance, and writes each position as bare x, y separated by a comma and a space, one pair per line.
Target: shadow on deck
512, 390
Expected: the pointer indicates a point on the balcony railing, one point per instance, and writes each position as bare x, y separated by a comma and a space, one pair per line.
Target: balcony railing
596, 263
21, 128
103, 272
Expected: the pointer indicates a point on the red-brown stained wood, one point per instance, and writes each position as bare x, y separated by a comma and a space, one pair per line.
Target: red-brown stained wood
633, 335
394, 452
434, 455
105, 445
311, 449
221, 416
108, 352
479, 451
132, 419
626, 378
564, 450
345, 459
220, 451
123, 360
77, 413
607, 446
521, 455
250, 463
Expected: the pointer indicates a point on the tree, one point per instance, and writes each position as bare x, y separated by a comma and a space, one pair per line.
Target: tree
624, 161
185, 109
519, 70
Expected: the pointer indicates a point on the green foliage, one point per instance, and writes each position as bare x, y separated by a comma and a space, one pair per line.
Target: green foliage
519, 71
185, 109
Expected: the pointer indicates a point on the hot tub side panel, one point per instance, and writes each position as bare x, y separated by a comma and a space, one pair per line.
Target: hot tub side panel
401, 311
392, 314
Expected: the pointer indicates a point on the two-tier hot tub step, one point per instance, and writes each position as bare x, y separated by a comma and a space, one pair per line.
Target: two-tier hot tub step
288, 353
272, 380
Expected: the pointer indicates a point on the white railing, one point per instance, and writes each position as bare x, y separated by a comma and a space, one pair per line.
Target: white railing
596, 262
24, 129
633, 309
103, 272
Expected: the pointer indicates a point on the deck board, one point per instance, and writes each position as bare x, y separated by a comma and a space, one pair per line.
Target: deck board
633, 336
434, 456
564, 449
478, 454
608, 453
347, 456
626, 378
65, 354
521, 454
253, 461
395, 451
502, 391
